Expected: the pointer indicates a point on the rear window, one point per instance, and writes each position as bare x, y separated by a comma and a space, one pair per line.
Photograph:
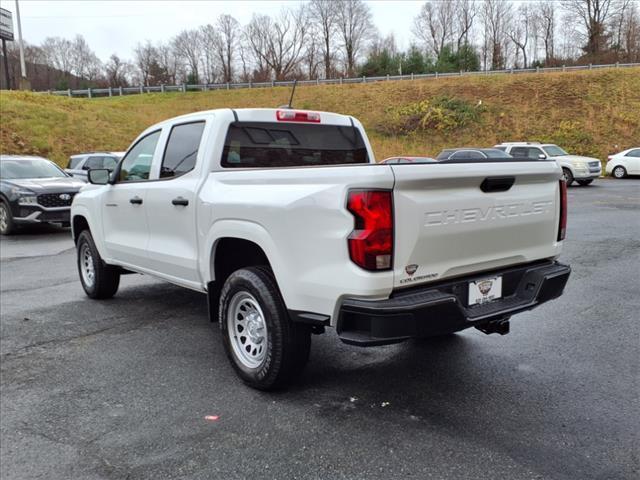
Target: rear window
270, 144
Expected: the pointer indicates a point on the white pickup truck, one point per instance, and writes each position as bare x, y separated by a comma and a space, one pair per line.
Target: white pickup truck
287, 223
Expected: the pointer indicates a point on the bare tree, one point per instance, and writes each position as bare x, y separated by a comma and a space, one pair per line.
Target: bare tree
593, 15
145, 54
496, 15
545, 16
326, 19
435, 24
58, 53
631, 34
519, 32
210, 39
465, 13
188, 45
227, 44
117, 71
277, 43
168, 62
355, 27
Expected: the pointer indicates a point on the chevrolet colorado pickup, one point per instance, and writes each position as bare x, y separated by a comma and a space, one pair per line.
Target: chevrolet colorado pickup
285, 221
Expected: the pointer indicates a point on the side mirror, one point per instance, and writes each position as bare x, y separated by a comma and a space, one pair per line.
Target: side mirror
98, 176
542, 156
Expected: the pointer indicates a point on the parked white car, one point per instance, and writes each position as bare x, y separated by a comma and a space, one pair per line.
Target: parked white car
79, 165
574, 167
283, 218
624, 163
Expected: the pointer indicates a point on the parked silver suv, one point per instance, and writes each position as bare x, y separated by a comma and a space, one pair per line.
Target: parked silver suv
80, 164
574, 167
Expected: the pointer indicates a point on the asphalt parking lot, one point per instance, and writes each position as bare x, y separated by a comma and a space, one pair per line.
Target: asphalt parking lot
120, 389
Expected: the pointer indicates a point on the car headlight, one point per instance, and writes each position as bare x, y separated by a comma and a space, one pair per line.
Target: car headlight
580, 165
25, 197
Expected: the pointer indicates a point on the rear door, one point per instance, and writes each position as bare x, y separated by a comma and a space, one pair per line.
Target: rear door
446, 225
171, 204
633, 160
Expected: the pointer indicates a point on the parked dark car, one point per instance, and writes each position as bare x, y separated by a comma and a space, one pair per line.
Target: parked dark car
471, 154
34, 190
412, 160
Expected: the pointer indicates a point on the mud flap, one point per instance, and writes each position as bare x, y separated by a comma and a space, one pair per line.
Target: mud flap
213, 301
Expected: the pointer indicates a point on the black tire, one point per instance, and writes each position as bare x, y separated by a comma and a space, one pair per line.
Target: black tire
619, 172
584, 183
568, 176
106, 278
287, 343
7, 226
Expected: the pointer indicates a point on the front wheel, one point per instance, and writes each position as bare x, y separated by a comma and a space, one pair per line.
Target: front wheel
98, 279
568, 176
619, 172
584, 183
265, 348
7, 226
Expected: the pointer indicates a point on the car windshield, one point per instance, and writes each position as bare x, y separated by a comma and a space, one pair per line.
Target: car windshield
29, 168
554, 151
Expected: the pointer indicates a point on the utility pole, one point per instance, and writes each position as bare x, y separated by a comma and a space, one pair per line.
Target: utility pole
24, 83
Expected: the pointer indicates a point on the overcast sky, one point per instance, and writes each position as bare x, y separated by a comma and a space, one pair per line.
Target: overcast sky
117, 26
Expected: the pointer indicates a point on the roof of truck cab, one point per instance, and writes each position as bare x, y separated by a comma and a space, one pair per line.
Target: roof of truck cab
244, 112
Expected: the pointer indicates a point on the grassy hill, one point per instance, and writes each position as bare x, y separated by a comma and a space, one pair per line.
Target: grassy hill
591, 112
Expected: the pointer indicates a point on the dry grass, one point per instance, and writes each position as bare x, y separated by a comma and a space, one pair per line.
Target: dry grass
591, 112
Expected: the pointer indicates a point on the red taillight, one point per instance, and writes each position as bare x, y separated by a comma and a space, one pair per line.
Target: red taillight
562, 228
609, 158
294, 116
371, 242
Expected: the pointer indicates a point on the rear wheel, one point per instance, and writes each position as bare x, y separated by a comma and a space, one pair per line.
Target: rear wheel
7, 226
568, 176
584, 183
98, 279
619, 172
265, 348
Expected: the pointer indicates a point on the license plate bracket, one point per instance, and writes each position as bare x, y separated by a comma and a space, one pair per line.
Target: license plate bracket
485, 290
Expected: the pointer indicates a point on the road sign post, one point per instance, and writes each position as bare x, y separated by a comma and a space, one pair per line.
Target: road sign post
6, 33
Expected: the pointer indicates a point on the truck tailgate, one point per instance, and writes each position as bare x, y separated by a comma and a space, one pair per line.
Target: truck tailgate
446, 225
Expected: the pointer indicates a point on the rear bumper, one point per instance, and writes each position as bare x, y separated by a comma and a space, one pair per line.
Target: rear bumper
442, 308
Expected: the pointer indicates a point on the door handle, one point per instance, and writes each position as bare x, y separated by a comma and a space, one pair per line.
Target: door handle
180, 201
135, 200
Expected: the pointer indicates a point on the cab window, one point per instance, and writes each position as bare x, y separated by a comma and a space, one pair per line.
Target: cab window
526, 152
136, 164
182, 149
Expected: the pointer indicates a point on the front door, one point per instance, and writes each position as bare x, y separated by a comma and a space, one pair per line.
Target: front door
124, 209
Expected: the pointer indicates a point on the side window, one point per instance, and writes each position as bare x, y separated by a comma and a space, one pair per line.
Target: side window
519, 152
466, 155
182, 149
137, 163
534, 153
93, 162
634, 153
109, 163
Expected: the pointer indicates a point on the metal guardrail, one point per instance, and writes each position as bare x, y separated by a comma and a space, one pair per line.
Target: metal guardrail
119, 91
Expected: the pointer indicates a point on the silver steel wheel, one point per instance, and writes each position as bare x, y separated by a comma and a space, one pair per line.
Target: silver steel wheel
4, 218
565, 176
247, 329
87, 269
618, 172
